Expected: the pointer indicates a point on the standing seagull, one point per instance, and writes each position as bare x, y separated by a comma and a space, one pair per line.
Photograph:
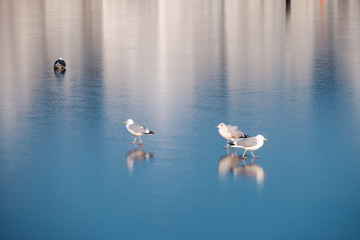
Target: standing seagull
60, 64
136, 130
230, 133
251, 144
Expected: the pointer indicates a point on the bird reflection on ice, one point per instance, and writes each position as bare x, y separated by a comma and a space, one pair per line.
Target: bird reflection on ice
137, 155
227, 163
59, 74
230, 163
251, 170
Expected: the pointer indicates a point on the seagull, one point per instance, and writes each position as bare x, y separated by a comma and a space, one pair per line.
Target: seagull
136, 130
230, 133
251, 144
60, 64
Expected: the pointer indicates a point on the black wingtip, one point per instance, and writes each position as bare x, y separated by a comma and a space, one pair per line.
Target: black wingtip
151, 132
246, 136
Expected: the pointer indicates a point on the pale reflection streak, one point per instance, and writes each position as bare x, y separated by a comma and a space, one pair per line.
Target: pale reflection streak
262, 33
254, 46
19, 47
174, 59
153, 62
230, 163
349, 11
252, 171
298, 51
259, 41
227, 163
137, 155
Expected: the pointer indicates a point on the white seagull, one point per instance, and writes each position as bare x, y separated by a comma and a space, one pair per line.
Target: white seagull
251, 144
230, 133
136, 130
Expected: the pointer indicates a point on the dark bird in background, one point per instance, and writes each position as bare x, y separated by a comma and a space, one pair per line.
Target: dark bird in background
59, 64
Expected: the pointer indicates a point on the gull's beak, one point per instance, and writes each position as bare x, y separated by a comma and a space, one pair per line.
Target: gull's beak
265, 139
124, 122
217, 126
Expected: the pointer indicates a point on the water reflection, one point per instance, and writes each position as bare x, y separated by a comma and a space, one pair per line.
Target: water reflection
178, 65
137, 155
165, 26
288, 7
252, 171
227, 163
288, 12
230, 163
59, 74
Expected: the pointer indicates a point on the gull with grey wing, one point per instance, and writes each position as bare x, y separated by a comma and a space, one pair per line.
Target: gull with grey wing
137, 130
249, 144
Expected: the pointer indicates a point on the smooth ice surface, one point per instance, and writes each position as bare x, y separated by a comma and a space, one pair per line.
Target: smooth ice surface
290, 72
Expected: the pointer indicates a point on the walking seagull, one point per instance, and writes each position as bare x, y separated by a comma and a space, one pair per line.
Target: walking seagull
230, 133
249, 144
137, 130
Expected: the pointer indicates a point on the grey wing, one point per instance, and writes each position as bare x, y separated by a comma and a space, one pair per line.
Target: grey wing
233, 130
246, 142
138, 128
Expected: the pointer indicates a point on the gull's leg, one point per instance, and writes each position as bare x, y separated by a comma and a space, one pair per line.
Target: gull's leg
227, 145
140, 141
133, 141
254, 155
244, 162
243, 156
